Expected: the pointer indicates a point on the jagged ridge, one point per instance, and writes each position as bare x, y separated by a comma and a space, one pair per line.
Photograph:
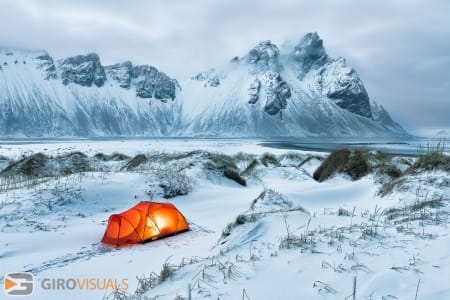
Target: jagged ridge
267, 92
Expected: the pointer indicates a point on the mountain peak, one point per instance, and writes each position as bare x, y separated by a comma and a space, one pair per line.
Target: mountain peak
297, 91
264, 56
311, 45
263, 51
309, 53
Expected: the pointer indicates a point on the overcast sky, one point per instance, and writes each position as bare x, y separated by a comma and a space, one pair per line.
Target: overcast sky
401, 49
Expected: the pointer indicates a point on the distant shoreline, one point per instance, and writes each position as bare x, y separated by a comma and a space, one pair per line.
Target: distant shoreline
407, 147
404, 148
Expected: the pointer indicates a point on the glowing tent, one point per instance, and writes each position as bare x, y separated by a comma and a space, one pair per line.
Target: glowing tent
144, 222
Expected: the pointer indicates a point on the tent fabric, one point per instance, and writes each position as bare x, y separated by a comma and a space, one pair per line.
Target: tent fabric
143, 222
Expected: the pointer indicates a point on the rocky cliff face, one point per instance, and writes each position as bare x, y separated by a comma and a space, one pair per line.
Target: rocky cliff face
78, 96
146, 80
210, 77
264, 67
296, 91
381, 115
277, 93
47, 65
149, 82
334, 79
84, 70
342, 85
308, 61
120, 73
299, 91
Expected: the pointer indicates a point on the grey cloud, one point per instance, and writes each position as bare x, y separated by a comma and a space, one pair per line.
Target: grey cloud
401, 49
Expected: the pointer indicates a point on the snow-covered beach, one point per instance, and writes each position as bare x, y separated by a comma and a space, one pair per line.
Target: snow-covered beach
282, 233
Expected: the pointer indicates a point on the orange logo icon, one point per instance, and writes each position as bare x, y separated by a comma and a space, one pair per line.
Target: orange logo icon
9, 284
18, 284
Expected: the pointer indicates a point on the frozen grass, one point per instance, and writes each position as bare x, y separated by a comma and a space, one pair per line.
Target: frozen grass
41, 165
135, 162
355, 164
334, 163
308, 159
250, 168
344, 212
227, 166
358, 164
31, 166
145, 284
112, 157
432, 157
432, 160
270, 159
217, 161
166, 272
423, 210
234, 175
390, 170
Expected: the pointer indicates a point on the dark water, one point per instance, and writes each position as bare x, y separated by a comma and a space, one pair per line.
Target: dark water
409, 146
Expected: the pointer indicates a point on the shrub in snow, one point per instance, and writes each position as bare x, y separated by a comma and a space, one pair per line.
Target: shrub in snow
135, 162
226, 165
389, 186
392, 171
344, 212
243, 157
355, 164
302, 241
166, 272
424, 211
308, 159
220, 162
250, 168
332, 164
31, 166
71, 163
118, 295
269, 159
233, 175
435, 159
174, 182
41, 165
240, 220
113, 157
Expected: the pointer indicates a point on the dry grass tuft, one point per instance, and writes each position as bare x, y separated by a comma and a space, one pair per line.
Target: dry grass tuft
334, 163
135, 162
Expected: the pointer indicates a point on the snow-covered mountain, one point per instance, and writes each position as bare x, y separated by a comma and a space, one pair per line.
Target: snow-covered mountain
267, 92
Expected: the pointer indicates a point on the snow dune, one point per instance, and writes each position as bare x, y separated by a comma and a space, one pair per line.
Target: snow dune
283, 236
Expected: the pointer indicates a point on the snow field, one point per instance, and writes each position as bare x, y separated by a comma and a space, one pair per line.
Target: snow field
283, 236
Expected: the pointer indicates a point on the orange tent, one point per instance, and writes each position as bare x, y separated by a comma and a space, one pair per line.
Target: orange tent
144, 222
